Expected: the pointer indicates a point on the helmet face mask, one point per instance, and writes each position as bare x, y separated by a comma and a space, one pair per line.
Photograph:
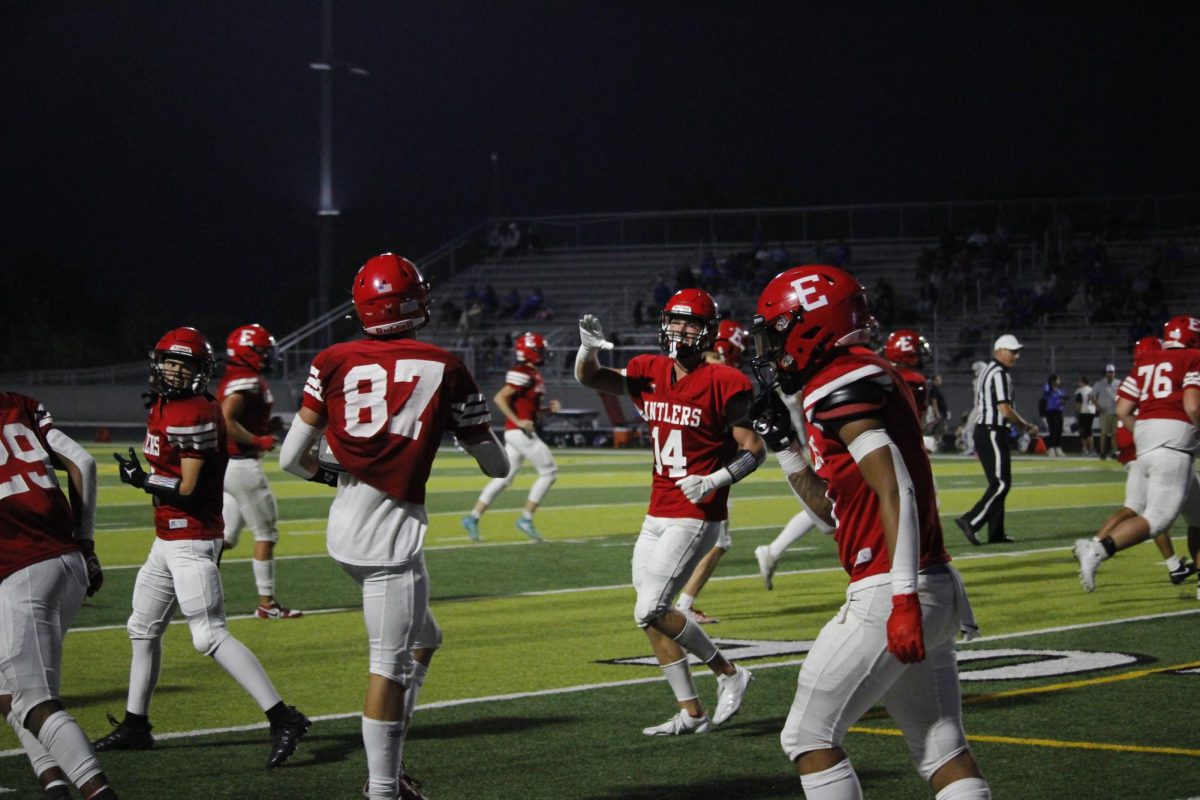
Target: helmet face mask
181, 364
688, 325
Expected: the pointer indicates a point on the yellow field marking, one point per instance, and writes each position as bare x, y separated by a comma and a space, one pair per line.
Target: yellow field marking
1119, 748
1054, 687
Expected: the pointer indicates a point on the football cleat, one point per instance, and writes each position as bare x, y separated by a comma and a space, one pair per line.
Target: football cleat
766, 565
276, 611
410, 787
1089, 554
1179, 575
730, 690
525, 526
125, 736
680, 724
472, 527
286, 736
965, 527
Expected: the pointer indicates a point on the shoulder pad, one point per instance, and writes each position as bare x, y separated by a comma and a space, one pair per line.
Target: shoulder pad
854, 400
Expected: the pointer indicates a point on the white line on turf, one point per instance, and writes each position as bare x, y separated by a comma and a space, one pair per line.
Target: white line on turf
587, 687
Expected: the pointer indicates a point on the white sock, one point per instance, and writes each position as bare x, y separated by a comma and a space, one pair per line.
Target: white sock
679, 678
1173, 563
966, 789
39, 759
70, 749
245, 668
527, 515
685, 601
384, 744
143, 674
836, 783
264, 576
797, 526
414, 689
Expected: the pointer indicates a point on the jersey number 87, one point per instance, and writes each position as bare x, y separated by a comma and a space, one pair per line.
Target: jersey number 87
366, 391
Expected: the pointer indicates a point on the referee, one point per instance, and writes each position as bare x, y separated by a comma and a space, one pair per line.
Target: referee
996, 412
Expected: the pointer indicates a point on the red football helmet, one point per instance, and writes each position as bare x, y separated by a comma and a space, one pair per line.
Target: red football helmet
251, 346
906, 347
390, 296
1147, 344
181, 363
1182, 331
530, 348
803, 314
731, 341
697, 307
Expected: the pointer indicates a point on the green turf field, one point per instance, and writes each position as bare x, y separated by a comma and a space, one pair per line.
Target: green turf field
540, 690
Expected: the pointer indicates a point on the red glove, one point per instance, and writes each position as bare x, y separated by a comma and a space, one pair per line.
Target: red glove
264, 442
905, 639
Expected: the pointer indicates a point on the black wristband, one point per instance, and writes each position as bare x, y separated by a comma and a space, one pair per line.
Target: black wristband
162, 487
742, 465
325, 476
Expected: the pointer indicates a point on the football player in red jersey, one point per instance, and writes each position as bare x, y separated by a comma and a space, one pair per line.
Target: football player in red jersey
185, 447
384, 403
1159, 401
907, 350
521, 399
47, 564
702, 443
246, 402
893, 640
728, 347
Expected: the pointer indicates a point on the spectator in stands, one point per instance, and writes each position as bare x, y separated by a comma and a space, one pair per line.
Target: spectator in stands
1081, 302
1104, 394
710, 276
662, 293
969, 336
1053, 398
532, 305
978, 240
512, 303
489, 301
511, 240
883, 302
448, 313
1085, 412
684, 278
638, 318
495, 241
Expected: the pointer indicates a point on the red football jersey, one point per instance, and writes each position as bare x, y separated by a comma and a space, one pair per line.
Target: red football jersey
688, 429
530, 389
918, 385
191, 427
388, 402
862, 547
256, 404
1158, 380
36, 521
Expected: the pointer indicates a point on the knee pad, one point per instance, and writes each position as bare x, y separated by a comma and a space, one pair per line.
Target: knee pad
396, 668
549, 473
139, 627
1158, 520
206, 638
429, 637
648, 609
796, 739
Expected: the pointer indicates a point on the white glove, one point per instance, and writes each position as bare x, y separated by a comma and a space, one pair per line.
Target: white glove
697, 487
591, 335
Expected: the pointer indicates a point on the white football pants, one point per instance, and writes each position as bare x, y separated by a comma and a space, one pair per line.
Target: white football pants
666, 552
522, 447
249, 502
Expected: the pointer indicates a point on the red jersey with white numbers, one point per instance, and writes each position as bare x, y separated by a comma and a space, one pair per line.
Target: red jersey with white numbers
862, 547
1156, 385
918, 385
388, 402
528, 391
688, 429
256, 405
36, 521
181, 428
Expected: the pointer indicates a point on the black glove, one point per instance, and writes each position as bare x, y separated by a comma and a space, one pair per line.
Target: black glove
770, 418
131, 469
325, 476
95, 574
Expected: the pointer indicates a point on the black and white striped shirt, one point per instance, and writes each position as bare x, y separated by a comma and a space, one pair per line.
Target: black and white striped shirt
995, 387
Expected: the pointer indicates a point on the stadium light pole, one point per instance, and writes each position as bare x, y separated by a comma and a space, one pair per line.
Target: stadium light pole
327, 212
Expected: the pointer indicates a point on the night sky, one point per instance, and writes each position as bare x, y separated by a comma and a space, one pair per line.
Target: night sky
170, 149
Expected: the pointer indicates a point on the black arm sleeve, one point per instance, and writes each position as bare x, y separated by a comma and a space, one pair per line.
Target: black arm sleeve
857, 400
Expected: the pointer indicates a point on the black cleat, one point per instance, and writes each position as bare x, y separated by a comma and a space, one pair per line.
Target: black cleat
409, 787
965, 527
286, 736
1186, 569
125, 736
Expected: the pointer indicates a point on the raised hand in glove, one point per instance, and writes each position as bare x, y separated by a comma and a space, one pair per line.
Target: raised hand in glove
591, 335
697, 487
771, 420
131, 469
905, 637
